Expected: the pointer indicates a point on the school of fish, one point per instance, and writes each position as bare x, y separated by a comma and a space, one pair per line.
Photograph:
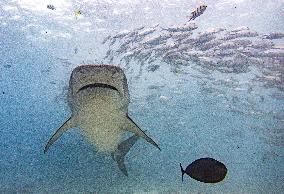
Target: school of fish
215, 57
219, 49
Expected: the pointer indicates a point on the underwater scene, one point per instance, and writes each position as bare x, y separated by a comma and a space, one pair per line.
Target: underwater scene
141, 96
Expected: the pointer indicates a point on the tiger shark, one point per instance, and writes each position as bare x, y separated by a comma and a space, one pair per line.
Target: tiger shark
98, 97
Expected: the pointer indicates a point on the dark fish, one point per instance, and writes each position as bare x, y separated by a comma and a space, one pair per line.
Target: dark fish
196, 13
50, 7
207, 170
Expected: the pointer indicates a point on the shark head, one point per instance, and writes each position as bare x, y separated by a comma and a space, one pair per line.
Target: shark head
98, 75
99, 99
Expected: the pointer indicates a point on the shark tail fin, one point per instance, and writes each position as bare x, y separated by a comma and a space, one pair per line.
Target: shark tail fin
67, 125
122, 149
119, 158
133, 127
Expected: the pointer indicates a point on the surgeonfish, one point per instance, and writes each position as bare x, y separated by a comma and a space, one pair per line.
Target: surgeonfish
197, 12
98, 97
207, 170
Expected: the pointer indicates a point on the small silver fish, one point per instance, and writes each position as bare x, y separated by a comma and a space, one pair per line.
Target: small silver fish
146, 32
106, 39
274, 35
196, 13
156, 40
210, 44
186, 27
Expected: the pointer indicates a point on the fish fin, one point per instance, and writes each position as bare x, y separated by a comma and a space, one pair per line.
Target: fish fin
67, 125
133, 127
121, 164
112, 156
182, 171
125, 145
121, 152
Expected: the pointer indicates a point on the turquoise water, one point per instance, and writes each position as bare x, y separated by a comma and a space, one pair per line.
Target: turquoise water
191, 114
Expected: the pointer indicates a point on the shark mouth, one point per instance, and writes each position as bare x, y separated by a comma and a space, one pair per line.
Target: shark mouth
98, 85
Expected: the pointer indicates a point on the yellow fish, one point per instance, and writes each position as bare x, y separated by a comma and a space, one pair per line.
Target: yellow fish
77, 14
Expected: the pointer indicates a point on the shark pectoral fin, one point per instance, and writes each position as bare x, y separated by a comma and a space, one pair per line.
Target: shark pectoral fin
67, 125
122, 149
131, 126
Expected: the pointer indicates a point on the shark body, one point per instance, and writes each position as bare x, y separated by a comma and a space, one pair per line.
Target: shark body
98, 97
